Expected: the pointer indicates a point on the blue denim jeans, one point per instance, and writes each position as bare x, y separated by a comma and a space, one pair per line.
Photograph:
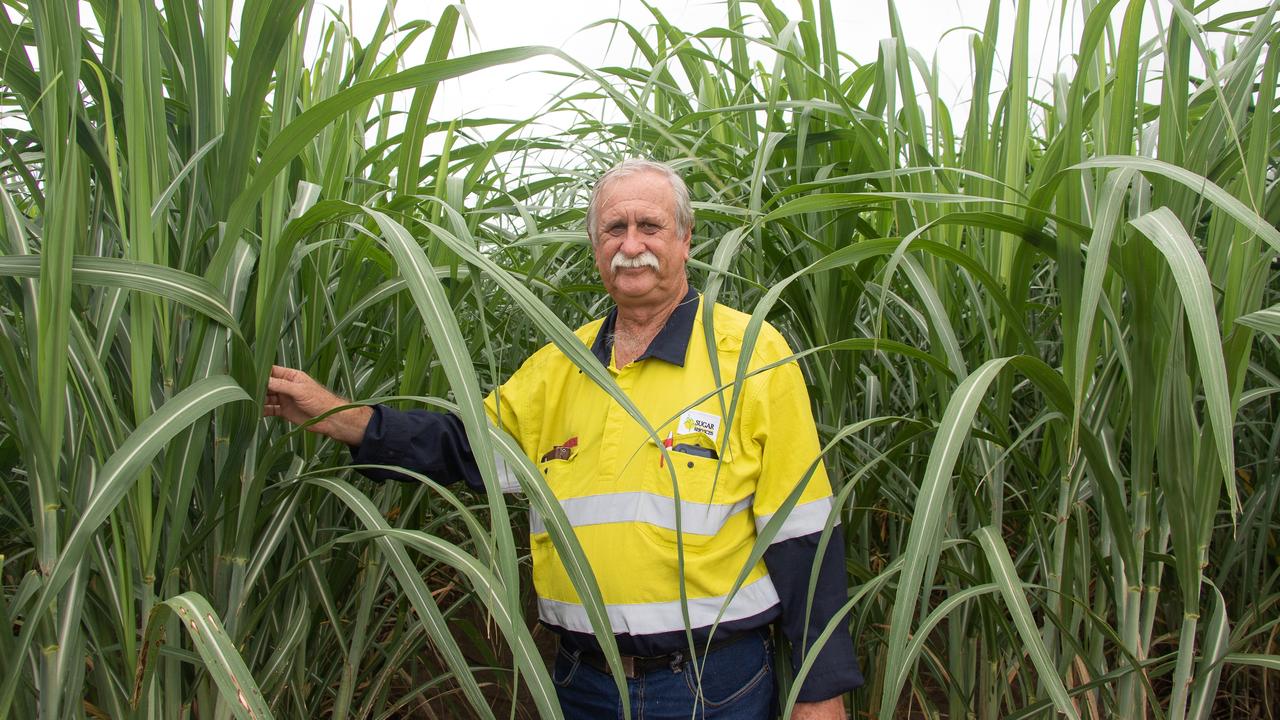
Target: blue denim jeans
736, 681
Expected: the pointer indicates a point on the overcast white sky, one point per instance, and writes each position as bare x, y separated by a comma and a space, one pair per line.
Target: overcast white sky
933, 27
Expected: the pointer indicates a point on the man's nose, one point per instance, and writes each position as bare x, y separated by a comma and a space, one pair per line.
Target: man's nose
632, 243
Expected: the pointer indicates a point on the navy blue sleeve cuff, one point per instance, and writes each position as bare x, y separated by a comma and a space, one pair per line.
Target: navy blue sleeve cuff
431, 443
835, 671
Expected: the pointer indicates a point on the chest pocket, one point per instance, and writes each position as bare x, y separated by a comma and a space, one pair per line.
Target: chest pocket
701, 477
557, 467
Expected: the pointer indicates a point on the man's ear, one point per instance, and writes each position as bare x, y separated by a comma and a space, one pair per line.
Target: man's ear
688, 244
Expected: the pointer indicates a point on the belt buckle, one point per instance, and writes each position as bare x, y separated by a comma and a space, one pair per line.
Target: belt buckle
628, 666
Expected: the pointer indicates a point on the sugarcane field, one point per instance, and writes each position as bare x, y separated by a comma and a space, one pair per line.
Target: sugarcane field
648, 359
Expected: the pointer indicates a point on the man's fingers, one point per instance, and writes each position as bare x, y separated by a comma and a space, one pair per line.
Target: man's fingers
287, 373
295, 396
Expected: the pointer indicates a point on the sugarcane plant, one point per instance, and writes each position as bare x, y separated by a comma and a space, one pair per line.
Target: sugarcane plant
1042, 338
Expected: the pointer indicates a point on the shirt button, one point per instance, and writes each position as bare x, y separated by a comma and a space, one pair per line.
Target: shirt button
690, 463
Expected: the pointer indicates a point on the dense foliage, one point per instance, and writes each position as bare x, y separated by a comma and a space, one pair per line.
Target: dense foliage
1042, 340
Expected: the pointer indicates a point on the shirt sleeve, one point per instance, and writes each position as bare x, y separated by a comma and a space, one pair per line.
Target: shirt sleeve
782, 429
835, 671
435, 444
431, 443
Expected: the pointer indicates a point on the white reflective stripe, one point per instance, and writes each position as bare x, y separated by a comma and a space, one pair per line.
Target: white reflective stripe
650, 618
806, 519
695, 518
507, 480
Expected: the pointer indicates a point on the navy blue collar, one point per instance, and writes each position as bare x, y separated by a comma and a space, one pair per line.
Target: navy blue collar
669, 345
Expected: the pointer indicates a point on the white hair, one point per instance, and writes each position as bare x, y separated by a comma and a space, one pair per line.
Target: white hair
633, 166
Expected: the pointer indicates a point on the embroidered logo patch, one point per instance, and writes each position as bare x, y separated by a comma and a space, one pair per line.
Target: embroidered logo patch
696, 421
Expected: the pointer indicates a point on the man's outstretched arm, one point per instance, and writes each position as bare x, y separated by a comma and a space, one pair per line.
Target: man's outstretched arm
431, 443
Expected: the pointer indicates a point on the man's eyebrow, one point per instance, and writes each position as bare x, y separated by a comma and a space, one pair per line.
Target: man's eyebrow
622, 220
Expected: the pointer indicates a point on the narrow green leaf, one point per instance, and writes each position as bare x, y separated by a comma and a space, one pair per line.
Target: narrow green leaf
1015, 600
931, 509
1189, 273
1266, 320
1217, 639
118, 473
190, 290
831, 202
415, 589
525, 652
157, 210
239, 691
1197, 183
1104, 229
115, 480
455, 358
1268, 662
295, 137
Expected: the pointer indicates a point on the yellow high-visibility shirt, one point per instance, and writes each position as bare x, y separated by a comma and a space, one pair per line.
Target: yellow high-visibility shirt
733, 465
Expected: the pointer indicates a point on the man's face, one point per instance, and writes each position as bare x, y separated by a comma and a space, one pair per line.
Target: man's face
636, 222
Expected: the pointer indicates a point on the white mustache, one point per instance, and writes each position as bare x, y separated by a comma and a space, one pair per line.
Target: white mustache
644, 259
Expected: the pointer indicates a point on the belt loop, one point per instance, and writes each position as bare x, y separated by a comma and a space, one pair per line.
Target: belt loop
677, 662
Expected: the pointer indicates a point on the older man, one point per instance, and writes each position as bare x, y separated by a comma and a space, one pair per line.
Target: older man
615, 485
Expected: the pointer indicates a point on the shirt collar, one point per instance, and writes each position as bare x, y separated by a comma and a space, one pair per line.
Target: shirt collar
669, 345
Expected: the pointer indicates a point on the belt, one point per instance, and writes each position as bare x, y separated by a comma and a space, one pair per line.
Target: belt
633, 666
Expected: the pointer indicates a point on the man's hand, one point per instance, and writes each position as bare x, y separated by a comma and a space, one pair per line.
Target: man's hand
832, 709
296, 397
